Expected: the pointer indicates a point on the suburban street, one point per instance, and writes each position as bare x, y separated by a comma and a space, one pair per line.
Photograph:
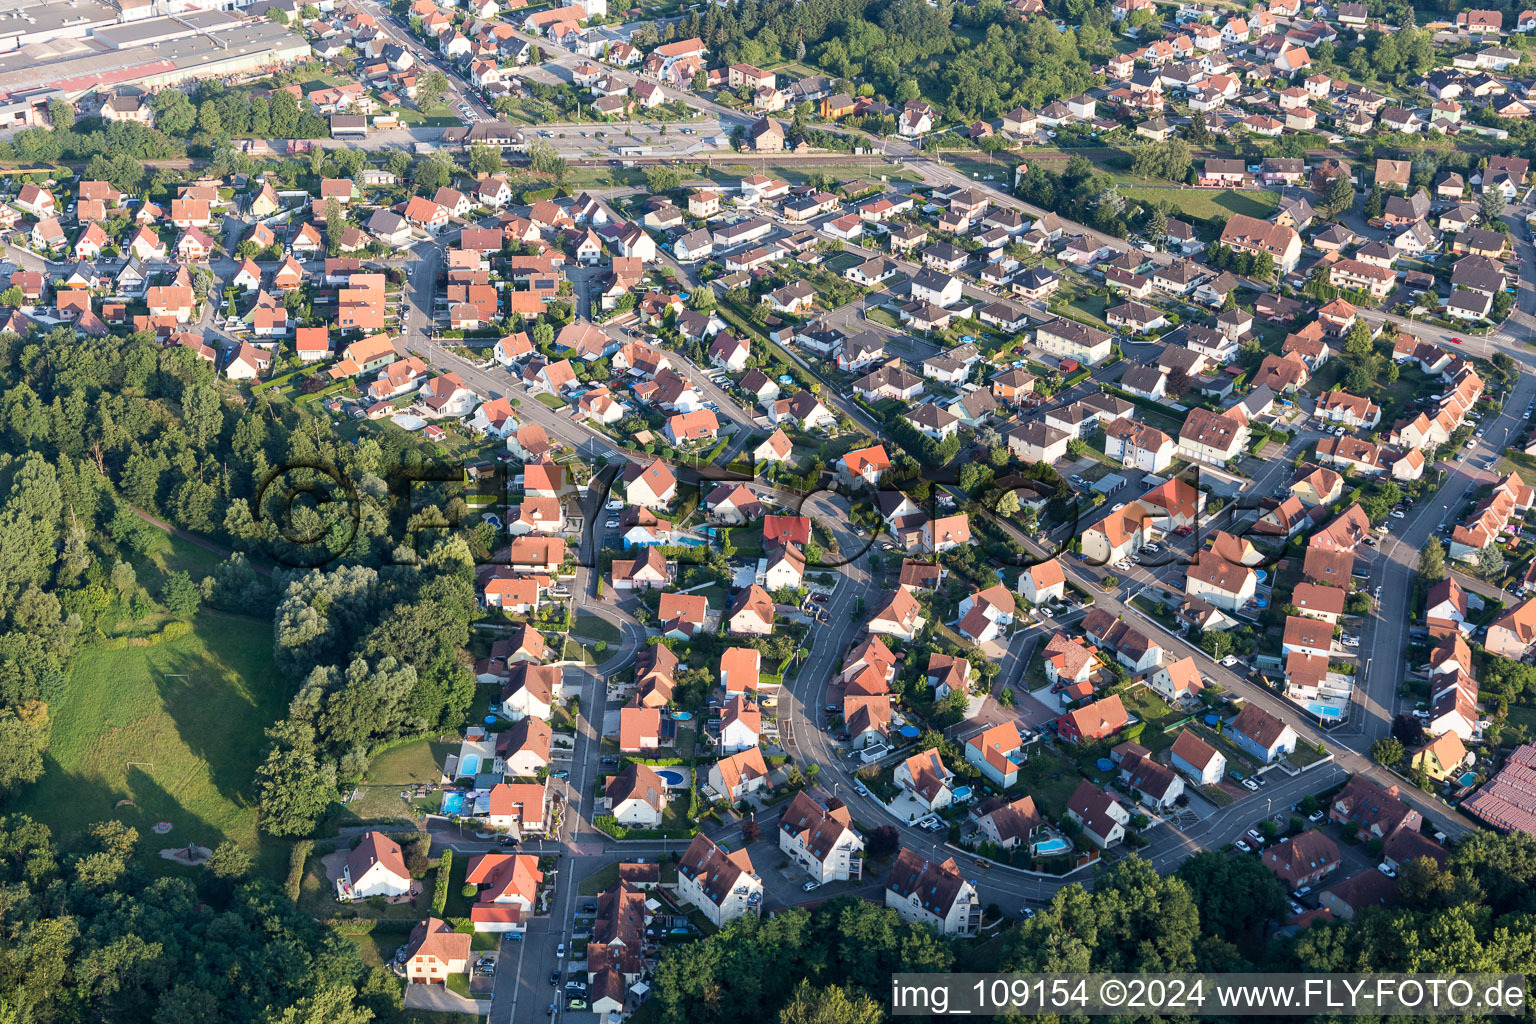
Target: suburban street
800, 705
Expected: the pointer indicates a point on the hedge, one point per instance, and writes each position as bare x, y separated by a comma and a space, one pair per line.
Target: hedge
370, 925
609, 824
440, 890
296, 859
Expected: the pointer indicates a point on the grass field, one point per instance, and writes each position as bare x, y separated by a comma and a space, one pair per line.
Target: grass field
591, 627
398, 768
176, 728
1206, 203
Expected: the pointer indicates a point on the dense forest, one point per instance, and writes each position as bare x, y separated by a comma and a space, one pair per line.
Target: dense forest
832, 966
96, 428
89, 936
971, 61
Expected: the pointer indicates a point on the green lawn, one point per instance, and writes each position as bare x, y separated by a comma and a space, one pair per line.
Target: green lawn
598, 881
176, 728
1051, 779
1206, 203
398, 768
545, 398
1153, 710
591, 627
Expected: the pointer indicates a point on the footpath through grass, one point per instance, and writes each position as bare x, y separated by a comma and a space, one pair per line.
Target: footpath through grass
176, 729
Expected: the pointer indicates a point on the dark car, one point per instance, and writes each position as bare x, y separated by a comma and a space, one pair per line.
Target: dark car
554, 977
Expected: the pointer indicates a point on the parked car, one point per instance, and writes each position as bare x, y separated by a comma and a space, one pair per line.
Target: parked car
811, 886
1244, 847
1250, 785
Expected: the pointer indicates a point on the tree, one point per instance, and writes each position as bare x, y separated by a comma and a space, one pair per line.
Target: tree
1489, 562
883, 842
12, 296
124, 580
1374, 203
663, 178
180, 595
1491, 205
61, 115
1216, 642
24, 731
208, 119
1338, 196
831, 1004
229, 861
1432, 560
484, 159
429, 175
1077, 448
1387, 752
174, 113
431, 88
1237, 896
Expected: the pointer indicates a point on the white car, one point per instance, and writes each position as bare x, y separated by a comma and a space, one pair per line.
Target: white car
1399, 515
612, 524
810, 886
1250, 785
1242, 845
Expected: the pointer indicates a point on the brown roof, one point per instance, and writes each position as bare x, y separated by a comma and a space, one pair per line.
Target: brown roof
376, 848
1258, 725
639, 782
715, 871
1193, 750
539, 680
1301, 857
936, 885
435, 939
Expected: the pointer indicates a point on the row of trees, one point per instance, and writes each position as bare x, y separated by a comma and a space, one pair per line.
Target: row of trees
1212, 915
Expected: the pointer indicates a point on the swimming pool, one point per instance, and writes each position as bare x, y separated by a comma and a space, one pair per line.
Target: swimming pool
1325, 711
1467, 778
453, 803
672, 778
1051, 846
470, 764
961, 793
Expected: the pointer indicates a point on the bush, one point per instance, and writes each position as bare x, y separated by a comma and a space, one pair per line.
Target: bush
440, 892
296, 860
470, 891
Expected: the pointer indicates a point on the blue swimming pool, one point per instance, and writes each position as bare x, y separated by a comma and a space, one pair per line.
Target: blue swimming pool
1051, 846
453, 803
672, 778
1467, 778
470, 765
1325, 711
962, 793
